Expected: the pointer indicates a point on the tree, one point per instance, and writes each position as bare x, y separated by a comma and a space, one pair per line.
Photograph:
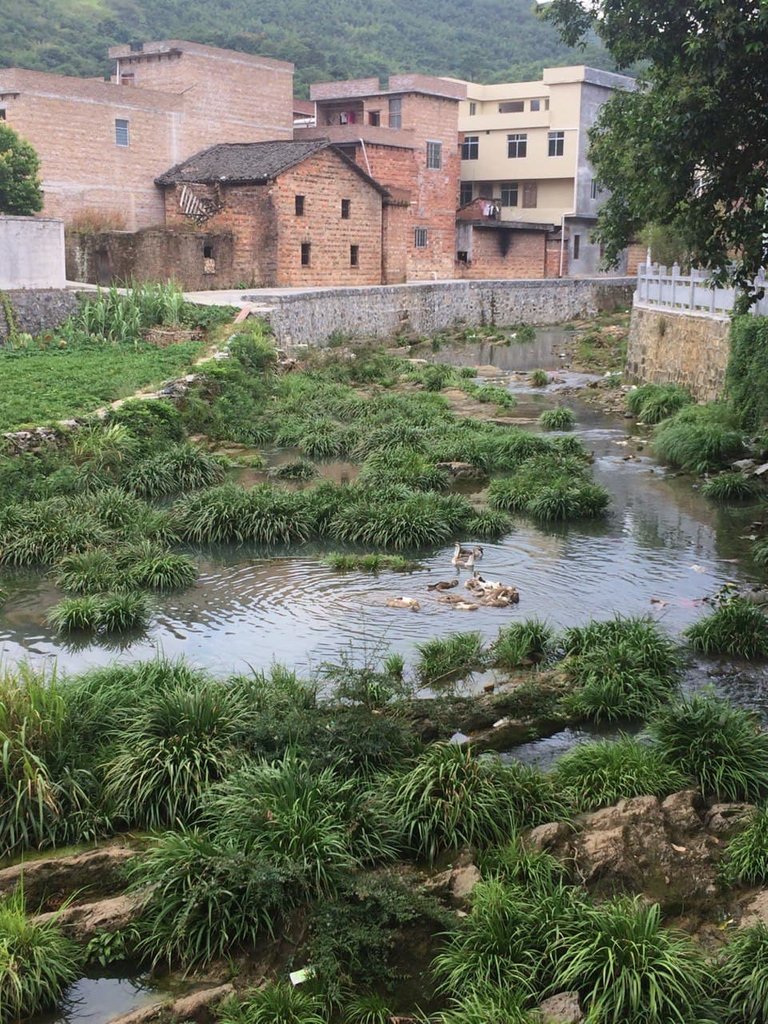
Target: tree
20, 191
689, 149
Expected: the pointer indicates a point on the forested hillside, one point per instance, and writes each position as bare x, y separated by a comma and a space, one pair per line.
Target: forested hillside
484, 40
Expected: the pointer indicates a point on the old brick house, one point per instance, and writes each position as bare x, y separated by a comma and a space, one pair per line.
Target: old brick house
284, 214
488, 246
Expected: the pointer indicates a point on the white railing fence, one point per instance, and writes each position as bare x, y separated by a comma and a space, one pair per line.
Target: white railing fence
661, 287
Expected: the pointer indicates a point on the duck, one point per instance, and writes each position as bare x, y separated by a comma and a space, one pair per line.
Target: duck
458, 603
409, 603
444, 585
467, 556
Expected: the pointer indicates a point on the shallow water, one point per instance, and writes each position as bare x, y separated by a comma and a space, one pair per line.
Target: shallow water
661, 550
98, 998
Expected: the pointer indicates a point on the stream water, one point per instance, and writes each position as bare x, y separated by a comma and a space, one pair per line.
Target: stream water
99, 997
660, 551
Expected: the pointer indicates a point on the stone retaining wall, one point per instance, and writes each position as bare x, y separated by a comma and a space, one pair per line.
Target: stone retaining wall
36, 310
690, 349
311, 317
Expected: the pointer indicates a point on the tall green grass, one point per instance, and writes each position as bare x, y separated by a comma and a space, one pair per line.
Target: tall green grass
742, 975
522, 643
737, 627
746, 861
699, 439
653, 403
451, 657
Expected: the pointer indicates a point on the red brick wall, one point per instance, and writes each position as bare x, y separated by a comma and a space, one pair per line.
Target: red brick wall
525, 258
396, 240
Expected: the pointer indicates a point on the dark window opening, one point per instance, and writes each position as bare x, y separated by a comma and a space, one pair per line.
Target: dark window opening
299, 202
462, 256
374, 118
472, 109
434, 156
556, 143
396, 112
354, 255
2, 113
346, 206
465, 193
306, 249
470, 147
517, 145
420, 238
576, 246
512, 107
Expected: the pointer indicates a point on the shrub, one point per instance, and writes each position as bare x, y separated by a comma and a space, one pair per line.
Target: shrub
37, 962
746, 374
450, 798
737, 627
451, 657
653, 403
560, 418
206, 899
522, 643
600, 774
746, 861
730, 486
230, 514
538, 379
488, 524
157, 569
628, 967
280, 1003
698, 439
719, 745
87, 572
176, 469
743, 975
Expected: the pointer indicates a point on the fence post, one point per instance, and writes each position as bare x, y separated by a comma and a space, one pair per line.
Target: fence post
675, 275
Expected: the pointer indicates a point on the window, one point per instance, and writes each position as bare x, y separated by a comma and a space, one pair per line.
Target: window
472, 109
420, 238
556, 143
465, 193
346, 206
595, 190
517, 145
509, 194
121, 132
434, 155
396, 112
374, 118
470, 147
512, 107
306, 249
299, 205
208, 252
354, 255
128, 78
462, 256
576, 246
540, 104
2, 113
530, 195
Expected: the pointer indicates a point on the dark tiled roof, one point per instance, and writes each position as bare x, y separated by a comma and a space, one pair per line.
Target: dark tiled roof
253, 163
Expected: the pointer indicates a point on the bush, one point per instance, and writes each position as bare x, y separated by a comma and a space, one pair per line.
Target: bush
653, 403
174, 470
627, 967
488, 524
538, 379
719, 745
279, 1003
522, 643
206, 899
559, 418
746, 378
698, 439
600, 774
743, 975
102, 613
730, 486
737, 627
37, 962
746, 861
450, 798
451, 657
232, 515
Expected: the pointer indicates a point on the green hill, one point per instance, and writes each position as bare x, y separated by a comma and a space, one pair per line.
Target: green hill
483, 40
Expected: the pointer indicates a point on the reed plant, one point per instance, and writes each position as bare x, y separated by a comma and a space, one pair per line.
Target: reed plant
277, 1003
230, 514
523, 643
109, 613
742, 976
737, 627
488, 524
559, 418
699, 439
373, 563
731, 486
653, 403
538, 379
746, 860
299, 469
448, 658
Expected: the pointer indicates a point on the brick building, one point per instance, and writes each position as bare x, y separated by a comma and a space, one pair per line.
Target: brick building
404, 135
488, 246
287, 213
102, 144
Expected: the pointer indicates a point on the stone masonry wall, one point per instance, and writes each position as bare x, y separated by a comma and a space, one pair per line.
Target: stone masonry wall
36, 310
679, 348
311, 317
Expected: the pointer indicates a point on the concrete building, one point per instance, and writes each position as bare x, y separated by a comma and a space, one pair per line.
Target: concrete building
102, 143
404, 134
524, 147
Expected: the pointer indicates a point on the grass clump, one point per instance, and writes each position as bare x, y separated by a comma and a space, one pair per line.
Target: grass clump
398, 518
279, 1003
488, 524
620, 669
737, 627
175, 470
110, 613
653, 403
721, 746
232, 515
37, 962
369, 563
742, 975
299, 469
600, 774
451, 657
522, 643
538, 379
560, 418
730, 486
451, 798
550, 488
699, 439
746, 861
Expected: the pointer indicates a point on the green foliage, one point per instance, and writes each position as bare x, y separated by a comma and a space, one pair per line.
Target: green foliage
369, 563
747, 373
698, 439
398, 518
550, 489
107, 947
451, 798
488, 524
743, 975
719, 745
538, 379
736, 627
627, 967
300, 469
230, 514
173, 470
21, 194
488, 1005
746, 861
451, 657
560, 418
600, 774
367, 1008
280, 1003
36, 962
653, 403
101, 613
522, 643
730, 486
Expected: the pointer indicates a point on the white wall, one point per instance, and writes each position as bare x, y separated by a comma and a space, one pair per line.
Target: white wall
31, 253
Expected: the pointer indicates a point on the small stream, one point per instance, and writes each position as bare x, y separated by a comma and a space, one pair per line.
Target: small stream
100, 997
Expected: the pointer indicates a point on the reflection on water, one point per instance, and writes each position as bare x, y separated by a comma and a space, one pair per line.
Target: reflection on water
660, 551
99, 998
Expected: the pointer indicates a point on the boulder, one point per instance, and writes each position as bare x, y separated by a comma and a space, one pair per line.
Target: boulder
463, 881
562, 1008
199, 1005
545, 837
755, 910
84, 920
95, 871
726, 819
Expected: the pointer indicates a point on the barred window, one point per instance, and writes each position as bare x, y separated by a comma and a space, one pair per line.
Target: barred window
420, 238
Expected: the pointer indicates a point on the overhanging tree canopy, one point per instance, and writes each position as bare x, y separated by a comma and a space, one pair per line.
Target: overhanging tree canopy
690, 148
20, 191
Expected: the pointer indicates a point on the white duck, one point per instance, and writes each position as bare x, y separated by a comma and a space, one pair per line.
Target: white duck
466, 556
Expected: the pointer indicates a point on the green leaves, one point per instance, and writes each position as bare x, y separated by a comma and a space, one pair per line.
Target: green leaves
20, 190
